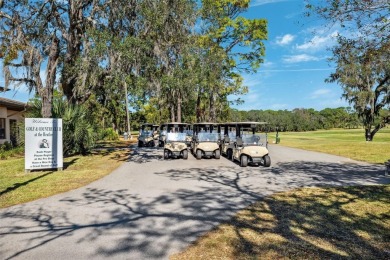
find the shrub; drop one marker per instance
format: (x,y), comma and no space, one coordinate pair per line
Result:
(5,154)
(6,146)
(108,134)
(79,134)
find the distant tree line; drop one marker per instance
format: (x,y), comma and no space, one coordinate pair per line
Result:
(301,119)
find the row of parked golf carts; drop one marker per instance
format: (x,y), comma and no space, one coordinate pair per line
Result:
(238,141)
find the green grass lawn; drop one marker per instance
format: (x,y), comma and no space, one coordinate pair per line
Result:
(18,187)
(309,223)
(344,142)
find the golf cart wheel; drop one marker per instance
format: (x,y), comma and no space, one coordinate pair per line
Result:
(151,143)
(267,161)
(244,161)
(217,154)
(185,154)
(140,144)
(230,154)
(160,144)
(198,154)
(166,155)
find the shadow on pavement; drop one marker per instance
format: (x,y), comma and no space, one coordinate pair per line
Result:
(145,154)
(155,227)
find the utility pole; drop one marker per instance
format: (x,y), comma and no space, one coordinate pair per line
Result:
(127,112)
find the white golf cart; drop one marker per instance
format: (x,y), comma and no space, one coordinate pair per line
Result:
(251,147)
(205,141)
(163,130)
(189,133)
(175,141)
(148,135)
(228,133)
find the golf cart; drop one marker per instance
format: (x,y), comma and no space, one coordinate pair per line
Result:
(228,133)
(189,133)
(147,135)
(175,141)
(162,134)
(205,141)
(250,147)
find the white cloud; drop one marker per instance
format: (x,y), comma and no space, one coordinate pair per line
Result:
(296,70)
(299,58)
(284,40)
(265,2)
(320,93)
(278,106)
(268,64)
(251,80)
(318,42)
(333,103)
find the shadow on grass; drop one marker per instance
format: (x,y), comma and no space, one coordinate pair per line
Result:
(18,185)
(124,223)
(322,225)
(70,163)
(118,154)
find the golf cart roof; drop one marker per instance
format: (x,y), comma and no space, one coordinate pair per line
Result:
(174,123)
(228,124)
(149,124)
(204,123)
(250,123)
(243,124)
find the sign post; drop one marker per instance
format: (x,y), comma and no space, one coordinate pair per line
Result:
(43,144)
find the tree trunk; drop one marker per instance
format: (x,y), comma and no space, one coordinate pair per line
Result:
(368,135)
(376,129)
(172,113)
(47,103)
(47,91)
(179,101)
(212,117)
(197,108)
(73,50)
(127,111)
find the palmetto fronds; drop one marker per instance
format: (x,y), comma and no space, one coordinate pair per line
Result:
(79,134)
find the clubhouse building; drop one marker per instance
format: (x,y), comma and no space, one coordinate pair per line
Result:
(11,112)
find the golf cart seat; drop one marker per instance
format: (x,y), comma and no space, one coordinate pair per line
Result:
(239,142)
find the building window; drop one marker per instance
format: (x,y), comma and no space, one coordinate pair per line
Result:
(2,128)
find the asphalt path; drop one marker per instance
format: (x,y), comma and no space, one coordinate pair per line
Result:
(149,208)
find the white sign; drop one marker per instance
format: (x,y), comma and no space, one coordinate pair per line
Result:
(43,143)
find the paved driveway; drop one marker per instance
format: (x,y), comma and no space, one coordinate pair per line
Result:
(149,208)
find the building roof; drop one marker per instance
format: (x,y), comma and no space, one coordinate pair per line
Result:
(12,104)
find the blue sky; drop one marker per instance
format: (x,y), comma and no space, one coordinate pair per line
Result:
(295,66)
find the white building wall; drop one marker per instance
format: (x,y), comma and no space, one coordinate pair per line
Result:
(9,114)
(3,112)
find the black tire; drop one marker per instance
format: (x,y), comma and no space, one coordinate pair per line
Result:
(244,161)
(267,161)
(229,154)
(151,143)
(198,154)
(185,154)
(166,155)
(217,154)
(161,144)
(140,144)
